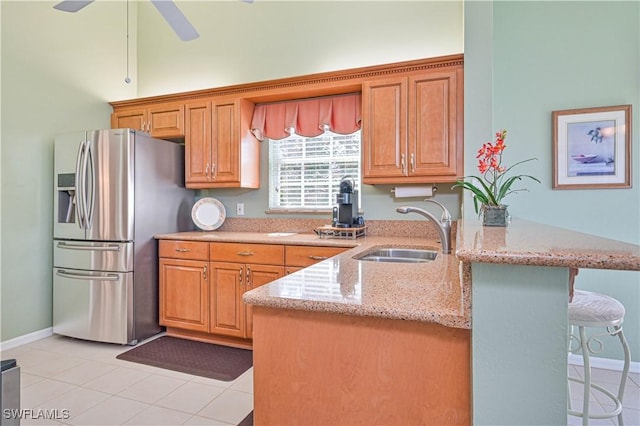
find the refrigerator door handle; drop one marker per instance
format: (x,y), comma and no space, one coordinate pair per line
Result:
(80,210)
(77,276)
(89,196)
(71,246)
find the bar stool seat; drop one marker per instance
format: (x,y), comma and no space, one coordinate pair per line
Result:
(589,309)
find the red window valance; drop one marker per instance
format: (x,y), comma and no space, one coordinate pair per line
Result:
(308,117)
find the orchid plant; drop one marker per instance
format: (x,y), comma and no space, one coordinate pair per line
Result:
(494,184)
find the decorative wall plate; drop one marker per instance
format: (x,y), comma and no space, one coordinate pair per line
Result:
(208,214)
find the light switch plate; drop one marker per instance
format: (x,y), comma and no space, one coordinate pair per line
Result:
(240,209)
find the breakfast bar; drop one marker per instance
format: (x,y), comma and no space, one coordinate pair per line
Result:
(360,342)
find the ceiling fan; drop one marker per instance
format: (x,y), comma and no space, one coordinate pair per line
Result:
(167,8)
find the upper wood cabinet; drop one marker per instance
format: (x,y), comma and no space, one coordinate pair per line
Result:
(412,122)
(220,150)
(163,121)
(412,128)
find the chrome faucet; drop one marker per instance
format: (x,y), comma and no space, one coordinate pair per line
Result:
(443,225)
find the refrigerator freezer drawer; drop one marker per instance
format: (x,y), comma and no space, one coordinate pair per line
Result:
(94,256)
(93,305)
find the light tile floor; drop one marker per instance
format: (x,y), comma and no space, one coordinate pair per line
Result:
(600,403)
(85,378)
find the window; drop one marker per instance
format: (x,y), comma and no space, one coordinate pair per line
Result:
(305,172)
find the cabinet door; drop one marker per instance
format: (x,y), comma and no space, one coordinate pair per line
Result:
(184,294)
(132,119)
(198,145)
(167,121)
(433,124)
(225,149)
(226,308)
(257,275)
(384,129)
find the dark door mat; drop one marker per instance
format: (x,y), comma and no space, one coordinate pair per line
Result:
(247,421)
(191,357)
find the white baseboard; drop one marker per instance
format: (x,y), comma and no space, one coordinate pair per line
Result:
(605,363)
(26,338)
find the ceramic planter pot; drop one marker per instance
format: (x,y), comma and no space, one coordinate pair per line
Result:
(495,215)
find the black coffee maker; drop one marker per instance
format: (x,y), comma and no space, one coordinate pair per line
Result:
(345,214)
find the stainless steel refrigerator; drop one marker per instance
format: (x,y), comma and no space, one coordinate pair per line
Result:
(113,190)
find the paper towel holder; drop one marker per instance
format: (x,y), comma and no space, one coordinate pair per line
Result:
(414,191)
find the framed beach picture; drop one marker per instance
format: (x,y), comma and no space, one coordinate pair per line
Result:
(592,148)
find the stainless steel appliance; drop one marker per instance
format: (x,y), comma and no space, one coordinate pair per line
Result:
(113,190)
(10,393)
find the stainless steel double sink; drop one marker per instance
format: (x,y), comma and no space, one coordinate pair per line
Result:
(397,255)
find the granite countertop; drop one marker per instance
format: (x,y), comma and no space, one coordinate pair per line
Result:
(292,238)
(437,291)
(530,243)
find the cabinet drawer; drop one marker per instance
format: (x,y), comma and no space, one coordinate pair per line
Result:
(194,250)
(265,254)
(308,255)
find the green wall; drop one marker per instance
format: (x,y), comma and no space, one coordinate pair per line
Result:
(246,42)
(536,57)
(58,72)
(555,56)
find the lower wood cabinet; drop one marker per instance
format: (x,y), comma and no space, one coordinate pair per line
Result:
(184,285)
(236,268)
(202,283)
(229,315)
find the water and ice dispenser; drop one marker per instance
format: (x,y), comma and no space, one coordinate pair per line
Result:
(66,193)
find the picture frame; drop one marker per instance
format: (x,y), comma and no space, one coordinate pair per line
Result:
(592,148)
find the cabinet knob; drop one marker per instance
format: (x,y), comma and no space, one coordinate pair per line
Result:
(403,166)
(240,275)
(412,163)
(248,277)
(245,253)
(182,250)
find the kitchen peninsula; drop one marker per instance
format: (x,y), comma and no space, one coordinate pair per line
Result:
(354,342)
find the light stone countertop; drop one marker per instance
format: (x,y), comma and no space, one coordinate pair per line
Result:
(437,291)
(530,243)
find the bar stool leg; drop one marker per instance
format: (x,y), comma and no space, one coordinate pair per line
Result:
(625,370)
(587,375)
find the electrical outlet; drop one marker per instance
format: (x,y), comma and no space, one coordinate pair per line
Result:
(240,209)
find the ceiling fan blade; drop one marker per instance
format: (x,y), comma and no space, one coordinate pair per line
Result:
(176,19)
(72,5)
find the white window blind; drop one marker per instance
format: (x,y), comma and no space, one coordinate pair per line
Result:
(305,173)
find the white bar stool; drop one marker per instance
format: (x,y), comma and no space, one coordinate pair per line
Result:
(589,309)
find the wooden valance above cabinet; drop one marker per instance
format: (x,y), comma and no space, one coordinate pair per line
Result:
(412,121)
